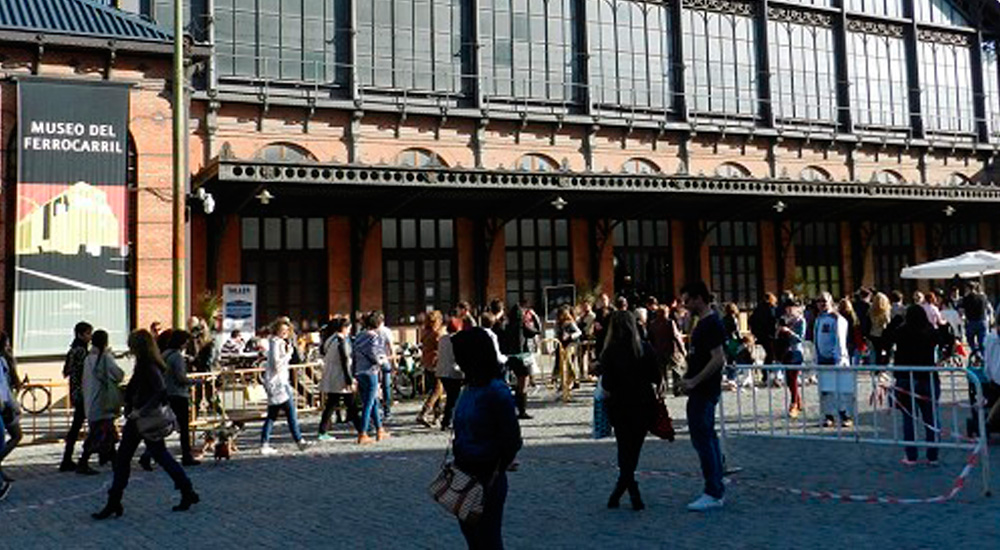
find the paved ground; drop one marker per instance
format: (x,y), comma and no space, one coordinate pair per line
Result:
(338,495)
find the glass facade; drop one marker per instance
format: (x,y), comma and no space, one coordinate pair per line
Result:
(817,258)
(803,70)
(537,256)
(418,263)
(719,57)
(946,82)
(643,253)
(734,262)
(877,67)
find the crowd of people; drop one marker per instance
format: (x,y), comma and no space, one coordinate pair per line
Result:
(478,366)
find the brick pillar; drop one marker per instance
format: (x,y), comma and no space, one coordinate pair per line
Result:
(338,271)
(199,257)
(868,258)
(496,275)
(704,262)
(371,269)
(677,256)
(920,252)
(606,267)
(847,257)
(465,242)
(986,236)
(579,242)
(788,268)
(229,263)
(768,257)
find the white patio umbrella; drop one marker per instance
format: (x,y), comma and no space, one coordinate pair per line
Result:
(970,265)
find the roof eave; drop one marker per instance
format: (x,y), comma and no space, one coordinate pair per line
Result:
(97,43)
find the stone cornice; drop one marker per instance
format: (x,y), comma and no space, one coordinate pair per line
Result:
(255,172)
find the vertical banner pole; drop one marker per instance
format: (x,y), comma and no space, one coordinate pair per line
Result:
(180,156)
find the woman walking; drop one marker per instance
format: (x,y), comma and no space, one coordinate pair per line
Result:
(178,390)
(629,374)
(430,335)
(880,314)
(568,334)
(487,434)
(277,383)
(146,393)
(10,410)
(338,383)
(369,354)
(101,400)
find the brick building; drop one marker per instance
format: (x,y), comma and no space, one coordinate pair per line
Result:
(405,154)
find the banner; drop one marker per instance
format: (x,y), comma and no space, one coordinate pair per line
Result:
(557,297)
(239,309)
(71,236)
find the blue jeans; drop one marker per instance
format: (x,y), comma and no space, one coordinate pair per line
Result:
(387,390)
(123,462)
(486,534)
(975,333)
(272,415)
(701,422)
(368,386)
(3,434)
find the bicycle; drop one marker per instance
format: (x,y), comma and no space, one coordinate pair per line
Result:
(409,373)
(35,398)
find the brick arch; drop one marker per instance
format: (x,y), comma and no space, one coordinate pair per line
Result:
(814,173)
(419,157)
(284,151)
(732,170)
(890,177)
(639,165)
(537,162)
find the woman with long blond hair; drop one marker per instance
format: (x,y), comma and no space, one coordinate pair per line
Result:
(430,335)
(880,314)
(145,394)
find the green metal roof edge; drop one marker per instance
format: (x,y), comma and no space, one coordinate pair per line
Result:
(72,17)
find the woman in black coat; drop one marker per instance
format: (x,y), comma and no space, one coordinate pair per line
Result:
(146,391)
(629,374)
(917,393)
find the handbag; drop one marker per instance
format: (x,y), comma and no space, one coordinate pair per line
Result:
(602,421)
(459,493)
(663,425)
(111,396)
(155,423)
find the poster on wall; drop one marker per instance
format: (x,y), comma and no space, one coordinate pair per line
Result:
(557,297)
(71,237)
(239,309)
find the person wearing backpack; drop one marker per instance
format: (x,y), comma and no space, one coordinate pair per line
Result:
(73,370)
(102,401)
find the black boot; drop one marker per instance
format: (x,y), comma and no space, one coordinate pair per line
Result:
(522,405)
(635,497)
(188,497)
(146,463)
(114,506)
(616,495)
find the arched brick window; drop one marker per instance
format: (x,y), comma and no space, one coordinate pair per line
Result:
(640,166)
(814,173)
(535,162)
(732,170)
(284,152)
(888,177)
(419,158)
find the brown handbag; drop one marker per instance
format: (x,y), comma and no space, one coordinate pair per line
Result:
(663,425)
(459,493)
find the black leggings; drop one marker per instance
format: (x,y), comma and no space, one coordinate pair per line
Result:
(452,388)
(74,431)
(181,408)
(629,440)
(333,401)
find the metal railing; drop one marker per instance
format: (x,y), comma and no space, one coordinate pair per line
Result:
(882,403)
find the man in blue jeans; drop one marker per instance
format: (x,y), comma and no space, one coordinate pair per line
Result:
(976,308)
(703,384)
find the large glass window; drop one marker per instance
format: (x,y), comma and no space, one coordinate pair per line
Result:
(892,250)
(941,12)
(958,238)
(804,80)
(991,86)
(877,67)
(734,262)
(719,50)
(286,259)
(411,44)
(642,253)
(537,255)
(418,261)
(946,81)
(529,48)
(630,53)
(817,258)
(296,40)
(885,8)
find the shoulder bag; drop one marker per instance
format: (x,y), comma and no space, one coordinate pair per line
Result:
(111,394)
(459,493)
(663,425)
(155,423)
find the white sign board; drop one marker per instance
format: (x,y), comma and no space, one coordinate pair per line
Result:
(239,308)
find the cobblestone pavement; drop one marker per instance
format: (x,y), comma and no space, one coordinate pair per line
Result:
(338,495)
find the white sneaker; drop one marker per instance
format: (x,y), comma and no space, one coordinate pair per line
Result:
(705,503)
(266,449)
(304,444)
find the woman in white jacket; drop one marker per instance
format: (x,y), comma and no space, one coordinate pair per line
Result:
(338,383)
(277,383)
(102,402)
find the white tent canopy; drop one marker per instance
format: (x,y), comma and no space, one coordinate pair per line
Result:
(967,266)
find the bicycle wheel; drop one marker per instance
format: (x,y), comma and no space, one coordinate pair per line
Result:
(35,399)
(402,383)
